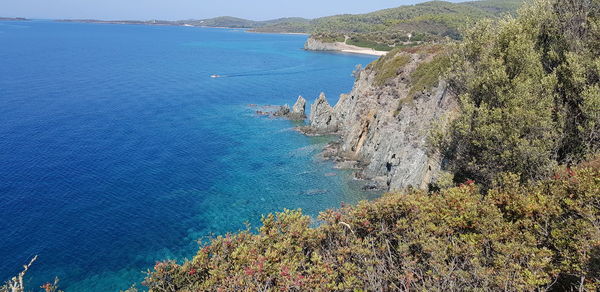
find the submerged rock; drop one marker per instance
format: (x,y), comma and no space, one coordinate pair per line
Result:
(283,111)
(296,113)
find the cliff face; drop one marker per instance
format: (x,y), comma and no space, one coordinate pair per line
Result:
(384,129)
(313,44)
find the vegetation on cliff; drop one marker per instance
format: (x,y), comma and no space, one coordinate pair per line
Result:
(387,66)
(427,75)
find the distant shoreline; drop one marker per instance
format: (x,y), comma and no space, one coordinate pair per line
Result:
(364,51)
(170,23)
(314,44)
(13,19)
(346,49)
(269,32)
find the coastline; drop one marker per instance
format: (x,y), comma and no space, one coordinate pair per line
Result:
(365,51)
(169,23)
(266,32)
(339,47)
(313,44)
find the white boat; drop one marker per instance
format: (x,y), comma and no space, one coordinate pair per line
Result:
(215,76)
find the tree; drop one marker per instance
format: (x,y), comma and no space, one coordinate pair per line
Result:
(529,92)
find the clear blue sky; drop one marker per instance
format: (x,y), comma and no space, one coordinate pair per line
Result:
(188,9)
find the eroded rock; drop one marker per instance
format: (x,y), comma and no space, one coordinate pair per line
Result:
(299,109)
(322,118)
(383,129)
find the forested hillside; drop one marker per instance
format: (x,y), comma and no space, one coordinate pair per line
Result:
(289,24)
(387,28)
(382,30)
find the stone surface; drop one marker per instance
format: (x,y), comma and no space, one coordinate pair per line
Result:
(322,118)
(313,44)
(384,130)
(283,111)
(299,108)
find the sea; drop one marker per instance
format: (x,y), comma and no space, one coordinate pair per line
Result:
(118,149)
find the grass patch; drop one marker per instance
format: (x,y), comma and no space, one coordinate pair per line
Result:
(425,49)
(329,37)
(387,66)
(427,75)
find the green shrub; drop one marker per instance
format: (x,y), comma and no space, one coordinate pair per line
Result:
(329,37)
(516,238)
(427,75)
(364,42)
(529,92)
(387,66)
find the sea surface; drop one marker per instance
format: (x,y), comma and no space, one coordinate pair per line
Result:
(117,149)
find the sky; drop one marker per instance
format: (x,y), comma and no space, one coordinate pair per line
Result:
(189,9)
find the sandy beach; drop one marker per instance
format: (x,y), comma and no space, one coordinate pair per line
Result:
(365,51)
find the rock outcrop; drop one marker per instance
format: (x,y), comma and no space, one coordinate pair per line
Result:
(322,118)
(384,129)
(296,113)
(313,44)
(299,109)
(282,111)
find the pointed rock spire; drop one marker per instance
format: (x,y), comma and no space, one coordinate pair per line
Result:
(299,107)
(321,115)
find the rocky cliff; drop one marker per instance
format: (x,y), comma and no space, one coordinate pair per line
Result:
(384,127)
(313,44)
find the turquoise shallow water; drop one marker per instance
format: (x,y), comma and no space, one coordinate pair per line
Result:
(117,149)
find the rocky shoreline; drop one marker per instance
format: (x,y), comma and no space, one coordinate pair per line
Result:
(384,129)
(313,44)
(296,113)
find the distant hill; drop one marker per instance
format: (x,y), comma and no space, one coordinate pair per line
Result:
(381,30)
(429,17)
(288,24)
(384,29)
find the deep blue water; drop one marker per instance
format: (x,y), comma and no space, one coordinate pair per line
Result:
(117,149)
